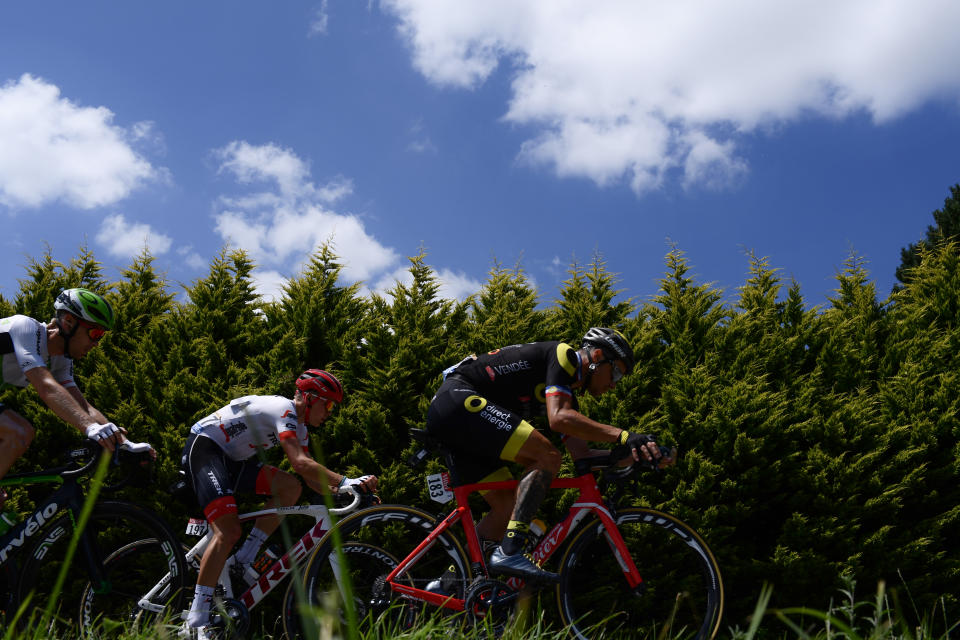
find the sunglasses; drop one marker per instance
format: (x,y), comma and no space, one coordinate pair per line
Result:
(94,332)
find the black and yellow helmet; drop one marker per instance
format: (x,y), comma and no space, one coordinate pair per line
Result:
(86,304)
(613,344)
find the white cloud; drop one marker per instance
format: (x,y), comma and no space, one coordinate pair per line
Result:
(126,240)
(191,258)
(457,286)
(284,224)
(626,91)
(453,285)
(54,150)
(269,284)
(320,21)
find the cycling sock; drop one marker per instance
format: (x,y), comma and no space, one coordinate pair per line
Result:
(251,546)
(515,538)
(200,608)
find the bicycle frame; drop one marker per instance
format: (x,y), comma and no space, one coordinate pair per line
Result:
(69,498)
(589,501)
(279,570)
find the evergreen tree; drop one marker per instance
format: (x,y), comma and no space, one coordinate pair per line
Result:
(409,340)
(504,312)
(919,399)
(319,313)
(587,300)
(946,227)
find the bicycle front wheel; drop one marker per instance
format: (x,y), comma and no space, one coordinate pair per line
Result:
(136,551)
(681,594)
(375,541)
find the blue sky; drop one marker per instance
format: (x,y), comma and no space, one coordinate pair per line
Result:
(536,131)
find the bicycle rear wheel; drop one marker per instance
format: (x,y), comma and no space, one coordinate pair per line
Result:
(136,549)
(375,540)
(682,593)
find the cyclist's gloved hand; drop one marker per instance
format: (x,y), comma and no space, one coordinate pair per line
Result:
(105,434)
(639,446)
(363,484)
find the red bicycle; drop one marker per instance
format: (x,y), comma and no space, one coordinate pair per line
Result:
(625,571)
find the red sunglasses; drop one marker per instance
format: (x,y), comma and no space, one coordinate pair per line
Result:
(94,332)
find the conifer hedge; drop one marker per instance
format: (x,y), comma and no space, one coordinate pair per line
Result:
(816,441)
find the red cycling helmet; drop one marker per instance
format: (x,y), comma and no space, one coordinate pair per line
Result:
(317,383)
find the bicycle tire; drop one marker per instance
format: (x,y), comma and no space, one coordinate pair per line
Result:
(374,541)
(137,548)
(682,593)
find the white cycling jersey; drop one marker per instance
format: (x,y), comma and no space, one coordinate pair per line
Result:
(23,343)
(250,423)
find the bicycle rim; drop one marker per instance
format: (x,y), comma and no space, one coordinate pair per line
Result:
(682,594)
(374,542)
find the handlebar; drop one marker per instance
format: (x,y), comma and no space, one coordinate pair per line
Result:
(355,500)
(608,463)
(88,453)
(339,511)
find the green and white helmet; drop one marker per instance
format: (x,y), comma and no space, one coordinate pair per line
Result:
(87,305)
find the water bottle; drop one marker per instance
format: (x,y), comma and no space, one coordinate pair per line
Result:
(537,528)
(8,520)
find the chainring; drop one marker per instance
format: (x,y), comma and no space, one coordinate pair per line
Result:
(490,602)
(231,620)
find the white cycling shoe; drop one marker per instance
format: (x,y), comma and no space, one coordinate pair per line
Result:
(186,632)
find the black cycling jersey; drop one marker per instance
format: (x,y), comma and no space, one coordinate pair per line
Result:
(479,411)
(521,376)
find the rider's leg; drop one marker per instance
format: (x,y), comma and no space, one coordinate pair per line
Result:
(493,524)
(226,533)
(542,463)
(16,434)
(285,491)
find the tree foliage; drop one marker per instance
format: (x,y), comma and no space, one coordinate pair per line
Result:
(815,441)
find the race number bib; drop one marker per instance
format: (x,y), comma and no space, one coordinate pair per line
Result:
(438,485)
(196,527)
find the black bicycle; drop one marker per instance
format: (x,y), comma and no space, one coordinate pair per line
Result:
(123,547)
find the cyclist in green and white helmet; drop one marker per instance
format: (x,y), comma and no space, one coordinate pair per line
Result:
(41,355)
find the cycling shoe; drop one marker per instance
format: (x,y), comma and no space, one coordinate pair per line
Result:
(520,566)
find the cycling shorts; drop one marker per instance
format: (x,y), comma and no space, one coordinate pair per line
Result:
(3,407)
(479,434)
(216,478)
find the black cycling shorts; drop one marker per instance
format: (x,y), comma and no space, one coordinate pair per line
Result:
(479,434)
(216,478)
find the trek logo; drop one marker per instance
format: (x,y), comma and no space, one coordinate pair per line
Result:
(216,484)
(272,576)
(235,429)
(288,413)
(30,527)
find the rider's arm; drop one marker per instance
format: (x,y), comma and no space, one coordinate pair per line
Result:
(563,418)
(313,473)
(62,401)
(575,426)
(92,412)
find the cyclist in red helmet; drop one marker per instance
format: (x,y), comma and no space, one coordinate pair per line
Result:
(220,459)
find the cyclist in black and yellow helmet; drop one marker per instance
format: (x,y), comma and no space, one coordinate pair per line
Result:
(41,355)
(480,414)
